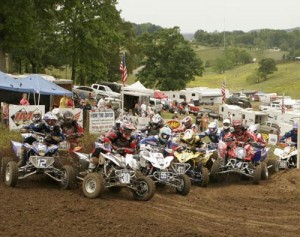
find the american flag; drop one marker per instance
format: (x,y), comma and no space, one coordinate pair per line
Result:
(282,105)
(223,91)
(123,69)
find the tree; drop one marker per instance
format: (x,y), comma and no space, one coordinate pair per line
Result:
(266,66)
(170,62)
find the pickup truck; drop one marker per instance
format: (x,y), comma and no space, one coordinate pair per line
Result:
(105,91)
(269,128)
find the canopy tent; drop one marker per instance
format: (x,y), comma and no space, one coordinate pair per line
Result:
(9,83)
(159,95)
(41,86)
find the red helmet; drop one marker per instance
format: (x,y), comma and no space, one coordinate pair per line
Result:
(126,128)
(237,125)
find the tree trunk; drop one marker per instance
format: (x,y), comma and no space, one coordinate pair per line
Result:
(2,61)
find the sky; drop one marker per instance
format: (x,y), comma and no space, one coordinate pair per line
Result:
(213,15)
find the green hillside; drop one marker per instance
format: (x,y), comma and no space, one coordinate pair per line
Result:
(286,80)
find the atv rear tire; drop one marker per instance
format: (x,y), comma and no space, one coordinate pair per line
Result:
(185,185)
(274,163)
(257,174)
(93,185)
(264,171)
(205,177)
(69,176)
(11,174)
(214,176)
(3,164)
(145,189)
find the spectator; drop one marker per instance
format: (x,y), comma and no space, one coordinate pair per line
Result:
(135,110)
(175,116)
(63,102)
(5,115)
(70,102)
(198,122)
(101,104)
(24,100)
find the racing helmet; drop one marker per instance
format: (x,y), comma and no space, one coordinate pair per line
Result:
(212,127)
(187,121)
(50,120)
(189,136)
(295,127)
(126,128)
(68,117)
(164,134)
(157,121)
(36,116)
(238,126)
(226,124)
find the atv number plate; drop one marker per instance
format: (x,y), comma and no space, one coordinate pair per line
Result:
(163,176)
(125,177)
(180,169)
(41,163)
(283,164)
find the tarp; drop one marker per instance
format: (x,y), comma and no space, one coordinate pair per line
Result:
(159,95)
(9,83)
(41,86)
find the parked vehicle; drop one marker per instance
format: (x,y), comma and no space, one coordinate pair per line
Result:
(156,105)
(105,91)
(42,158)
(85,92)
(115,172)
(153,164)
(269,128)
(210,112)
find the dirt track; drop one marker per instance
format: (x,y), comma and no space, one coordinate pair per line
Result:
(230,208)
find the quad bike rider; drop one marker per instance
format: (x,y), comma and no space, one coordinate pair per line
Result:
(237,155)
(120,139)
(194,152)
(154,125)
(186,123)
(213,133)
(292,134)
(47,126)
(155,157)
(72,130)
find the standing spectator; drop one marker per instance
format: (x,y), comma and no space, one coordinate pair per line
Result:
(175,116)
(70,102)
(101,104)
(205,121)
(63,102)
(135,110)
(5,115)
(198,122)
(24,100)
(143,109)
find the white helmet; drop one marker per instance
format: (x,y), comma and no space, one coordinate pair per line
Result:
(50,120)
(213,127)
(226,123)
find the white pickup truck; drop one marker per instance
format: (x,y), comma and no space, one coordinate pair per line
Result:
(105,91)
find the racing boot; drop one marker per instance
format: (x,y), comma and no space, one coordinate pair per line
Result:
(22,160)
(92,166)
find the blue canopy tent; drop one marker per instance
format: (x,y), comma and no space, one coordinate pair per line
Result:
(41,86)
(9,83)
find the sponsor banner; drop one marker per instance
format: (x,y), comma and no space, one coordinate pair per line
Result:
(101,122)
(173,123)
(273,139)
(20,115)
(77,112)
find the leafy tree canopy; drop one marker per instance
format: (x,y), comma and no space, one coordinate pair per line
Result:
(170,62)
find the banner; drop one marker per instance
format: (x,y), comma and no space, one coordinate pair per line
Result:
(101,122)
(20,115)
